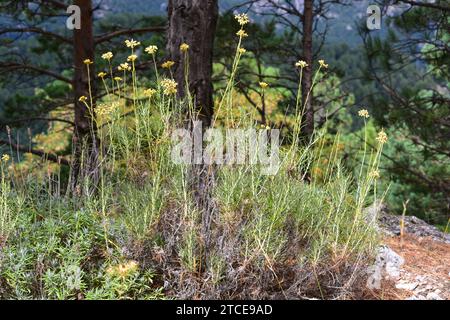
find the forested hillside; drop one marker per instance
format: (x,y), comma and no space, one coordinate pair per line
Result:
(221,149)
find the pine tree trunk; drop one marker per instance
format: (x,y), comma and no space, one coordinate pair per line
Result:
(85,141)
(194,22)
(308,118)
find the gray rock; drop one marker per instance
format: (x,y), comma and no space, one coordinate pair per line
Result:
(433,296)
(387,265)
(378,215)
(407,286)
(390,224)
(392,261)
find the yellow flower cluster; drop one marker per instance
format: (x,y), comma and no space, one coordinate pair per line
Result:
(169,86)
(82,99)
(241,33)
(123,270)
(168,64)
(132,58)
(124,67)
(301,64)
(323,64)
(263,84)
(132,43)
(117,78)
(151,49)
(242,19)
(363,113)
(87,61)
(149,92)
(5,158)
(382,137)
(107,56)
(102,74)
(242,50)
(104,109)
(375,174)
(184,47)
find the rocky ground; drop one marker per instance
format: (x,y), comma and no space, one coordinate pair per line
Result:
(414,226)
(413,263)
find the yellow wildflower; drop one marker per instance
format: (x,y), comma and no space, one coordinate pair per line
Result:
(382,137)
(111,271)
(242,50)
(5,158)
(118,78)
(301,64)
(323,64)
(169,86)
(149,92)
(82,99)
(242,19)
(123,270)
(263,84)
(363,113)
(375,174)
(132,43)
(87,61)
(104,109)
(102,74)
(124,67)
(241,33)
(318,172)
(132,58)
(129,267)
(107,56)
(184,47)
(168,64)
(151,49)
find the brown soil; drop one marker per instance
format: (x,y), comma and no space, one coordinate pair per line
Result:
(423,257)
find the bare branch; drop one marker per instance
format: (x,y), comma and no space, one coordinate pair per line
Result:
(56,4)
(37,119)
(48,156)
(36,30)
(425,4)
(17,66)
(111,35)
